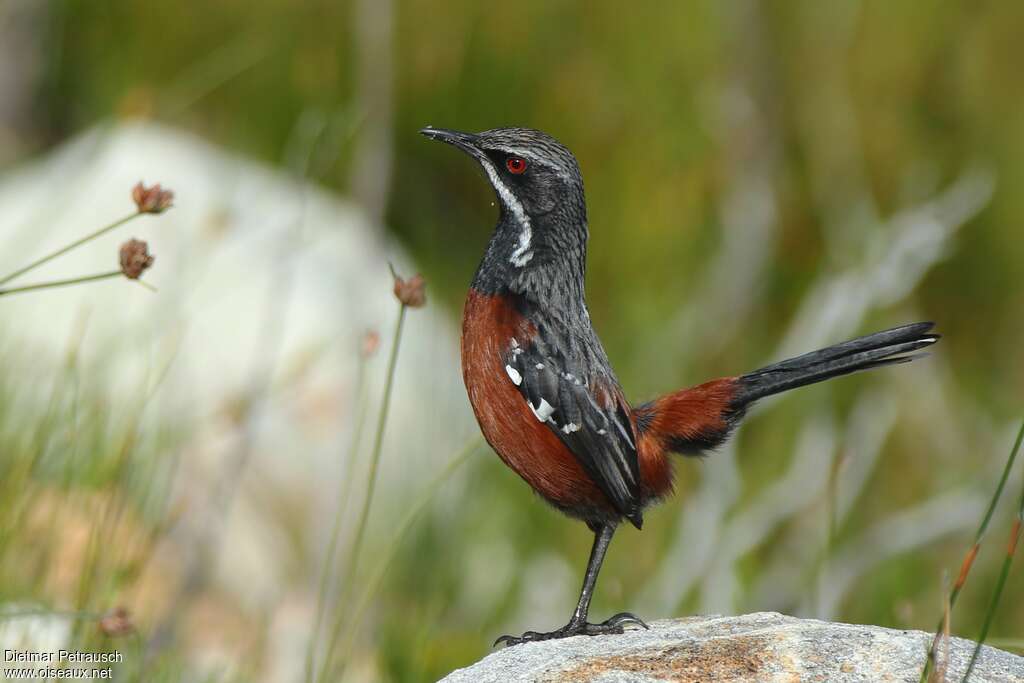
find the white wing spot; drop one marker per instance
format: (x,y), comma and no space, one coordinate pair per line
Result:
(602,432)
(514,375)
(540,366)
(570,428)
(543,411)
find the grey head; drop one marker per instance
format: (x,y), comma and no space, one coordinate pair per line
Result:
(541,235)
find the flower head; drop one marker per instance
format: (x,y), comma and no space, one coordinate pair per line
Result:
(371,342)
(135,258)
(116,622)
(411,292)
(151,199)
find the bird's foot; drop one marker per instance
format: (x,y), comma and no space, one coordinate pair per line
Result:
(614,625)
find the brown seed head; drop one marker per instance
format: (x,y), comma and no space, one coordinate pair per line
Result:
(116,622)
(411,292)
(135,258)
(151,199)
(371,342)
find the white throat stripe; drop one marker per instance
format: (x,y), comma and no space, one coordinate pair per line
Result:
(521,255)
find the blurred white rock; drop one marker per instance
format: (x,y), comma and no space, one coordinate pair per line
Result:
(260,278)
(28,628)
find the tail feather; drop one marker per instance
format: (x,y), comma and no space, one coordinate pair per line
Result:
(888,347)
(695,420)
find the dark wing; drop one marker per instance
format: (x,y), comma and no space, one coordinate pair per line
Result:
(588,414)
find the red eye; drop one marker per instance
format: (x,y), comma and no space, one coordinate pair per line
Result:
(515,165)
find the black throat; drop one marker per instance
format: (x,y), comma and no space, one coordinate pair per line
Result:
(549,272)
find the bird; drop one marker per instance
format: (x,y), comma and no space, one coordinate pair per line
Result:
(539,380)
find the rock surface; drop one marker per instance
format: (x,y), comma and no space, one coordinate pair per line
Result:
(753,647)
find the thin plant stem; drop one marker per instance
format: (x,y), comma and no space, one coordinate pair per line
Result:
(364,513)
(59,283)
(389,555)
(1011,548)
(994,604)
(65,249)
(43,612)
(938,674)
(972,553)
(346,491)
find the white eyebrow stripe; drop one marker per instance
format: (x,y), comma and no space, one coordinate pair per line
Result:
(530,156)
(521,255)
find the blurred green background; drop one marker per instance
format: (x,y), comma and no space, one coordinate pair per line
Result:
(752,170)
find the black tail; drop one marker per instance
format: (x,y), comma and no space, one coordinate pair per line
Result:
(863,353)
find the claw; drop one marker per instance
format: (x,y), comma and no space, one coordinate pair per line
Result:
(506,639)
(624,618)
(509,641)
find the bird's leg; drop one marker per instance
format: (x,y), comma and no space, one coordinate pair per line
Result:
(602,539)
(578,625)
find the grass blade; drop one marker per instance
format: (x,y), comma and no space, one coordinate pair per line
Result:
(938,674)
(346,489)
(1011,547)
(965,566)
(389,554)
(357,544)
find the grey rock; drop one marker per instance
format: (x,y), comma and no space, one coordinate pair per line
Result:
(752,647)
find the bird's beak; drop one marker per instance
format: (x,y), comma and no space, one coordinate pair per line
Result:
(464,141)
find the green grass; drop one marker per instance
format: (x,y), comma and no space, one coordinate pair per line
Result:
(968,562)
